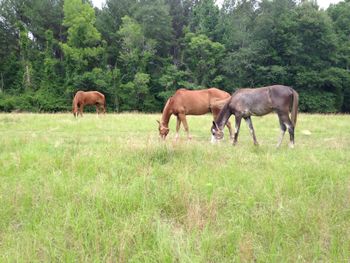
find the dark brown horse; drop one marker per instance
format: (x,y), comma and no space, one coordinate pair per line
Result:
(191,102)
(258,102)
(83,98)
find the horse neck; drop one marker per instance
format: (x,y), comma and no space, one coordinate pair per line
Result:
(223,116)
(166,113)
(75,103)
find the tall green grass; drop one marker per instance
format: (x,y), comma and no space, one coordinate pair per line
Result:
(107,190)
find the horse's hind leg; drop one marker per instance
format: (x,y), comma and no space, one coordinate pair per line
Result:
(102,109)
(251,129)
(283,130)
(97,109)
(290,127)
(286,123)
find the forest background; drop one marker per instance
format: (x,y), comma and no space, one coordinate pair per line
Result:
(138,52)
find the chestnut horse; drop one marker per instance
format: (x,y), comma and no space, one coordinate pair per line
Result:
(83,98)
(258,102)
(191,102)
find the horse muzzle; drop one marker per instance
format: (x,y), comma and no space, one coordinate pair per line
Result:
(218,136)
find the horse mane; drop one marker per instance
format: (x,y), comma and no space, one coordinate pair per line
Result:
(235,92)
(165,114)
(167,103)
(224,115)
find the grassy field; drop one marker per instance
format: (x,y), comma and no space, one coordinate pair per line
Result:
(107,190)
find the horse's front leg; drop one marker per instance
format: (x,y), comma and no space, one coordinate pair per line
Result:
(251,129)
(184,121)
(178,123)
(229,127)
(237,126)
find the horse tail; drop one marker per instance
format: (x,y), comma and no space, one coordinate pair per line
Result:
(219,104)
(295,107)
(104,104)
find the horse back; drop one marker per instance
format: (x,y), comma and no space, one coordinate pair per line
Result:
(249,101)
(218,94)
(189,102)
(196,102)
(96,94)
(90,97)
(281,96)
(93,97)
(260,101)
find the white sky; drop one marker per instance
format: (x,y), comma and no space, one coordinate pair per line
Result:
(322,3)
(325,3)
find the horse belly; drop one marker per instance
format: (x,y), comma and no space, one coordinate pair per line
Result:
(88,101)
(192,105)
(92,101)
(200,110)
(252,109)
(261,110)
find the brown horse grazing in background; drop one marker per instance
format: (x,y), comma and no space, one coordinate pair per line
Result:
(83,98)
(191,102)
(258,102)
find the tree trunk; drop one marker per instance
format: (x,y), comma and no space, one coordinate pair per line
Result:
(27,81)
(2,83)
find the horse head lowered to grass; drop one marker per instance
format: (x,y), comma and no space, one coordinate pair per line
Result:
(258,102)
(83,98)
(191,102)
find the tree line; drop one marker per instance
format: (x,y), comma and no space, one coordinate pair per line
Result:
(139,52)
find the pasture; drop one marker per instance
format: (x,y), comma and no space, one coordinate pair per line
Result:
(107,190)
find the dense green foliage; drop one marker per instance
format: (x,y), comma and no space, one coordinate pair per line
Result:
(139,52)
(106,190)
